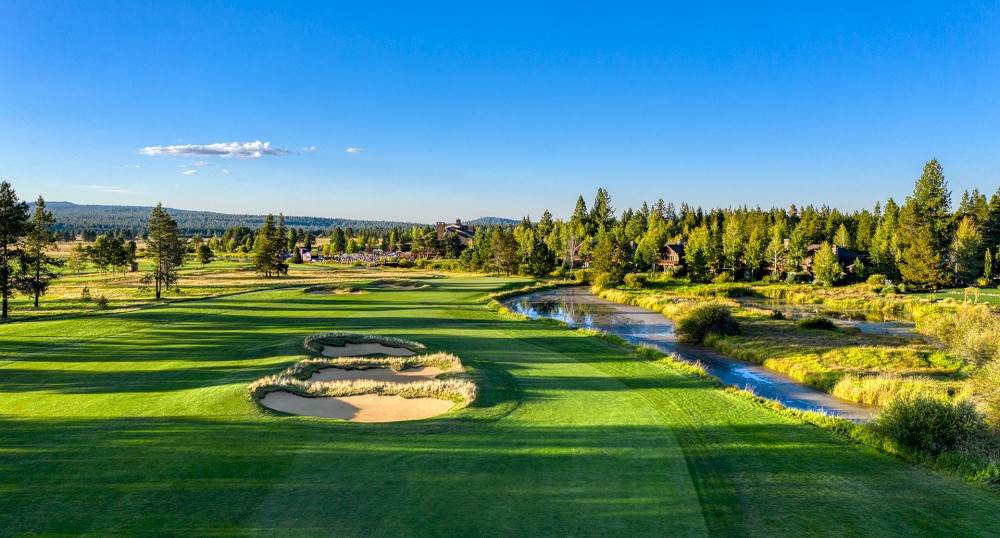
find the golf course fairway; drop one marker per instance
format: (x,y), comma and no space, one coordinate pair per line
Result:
(138,422)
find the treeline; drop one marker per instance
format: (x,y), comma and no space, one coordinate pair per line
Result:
(921,242)
(75,220)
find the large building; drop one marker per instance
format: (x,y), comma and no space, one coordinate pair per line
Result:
(464,233)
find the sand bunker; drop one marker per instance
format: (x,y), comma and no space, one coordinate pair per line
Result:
(399,286)
(364,408)
(358,350)
(323,291)
(377,374)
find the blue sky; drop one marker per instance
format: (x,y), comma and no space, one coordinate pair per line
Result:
(465,109)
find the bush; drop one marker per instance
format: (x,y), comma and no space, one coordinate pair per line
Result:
(102,302)
(582,276)
(766,279)
(601,281)
(635,280)
(697,322)
(776,314)
(795,278)
(930,425)
(406,263)
(85,294)
(817,322)
(723,278)
(876,280)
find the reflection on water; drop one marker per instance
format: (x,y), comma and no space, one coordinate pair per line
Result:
(578,307)
(866,322)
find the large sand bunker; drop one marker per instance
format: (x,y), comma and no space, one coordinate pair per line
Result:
(377,374)
(371,348)
(363,408)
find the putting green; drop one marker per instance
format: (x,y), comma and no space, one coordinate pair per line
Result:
(137,422)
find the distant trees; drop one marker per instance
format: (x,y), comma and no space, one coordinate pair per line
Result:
(14,225)
(165,248)
(38,269)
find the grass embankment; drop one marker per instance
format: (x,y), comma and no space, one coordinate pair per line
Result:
(136,422)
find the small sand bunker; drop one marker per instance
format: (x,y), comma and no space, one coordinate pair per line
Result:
(363,408)
(357,350)
(377,374)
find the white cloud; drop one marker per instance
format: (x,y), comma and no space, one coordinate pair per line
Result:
(308,148)
(139,166)
(190,172)
(246,150)
(355,150)
(202,163)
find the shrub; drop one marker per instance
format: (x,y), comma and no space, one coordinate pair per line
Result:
(406,263)
(817,322)
(776,314)
(929,425)
(601,281)
(794,278)
(876,280)
(766,279)
(635,280)
(85,294)
(694,324)
(582,276)
(102,302)
(723,278)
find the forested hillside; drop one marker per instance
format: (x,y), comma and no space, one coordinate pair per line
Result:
(107,218)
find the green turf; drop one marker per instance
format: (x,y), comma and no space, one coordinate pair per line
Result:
(137,423)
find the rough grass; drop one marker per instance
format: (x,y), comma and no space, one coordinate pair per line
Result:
(135,423)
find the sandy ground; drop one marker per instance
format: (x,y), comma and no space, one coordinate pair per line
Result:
(364,408)
(378,374)
(358,350)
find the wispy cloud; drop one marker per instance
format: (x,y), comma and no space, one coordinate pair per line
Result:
(246,150)
(190,172)
(107,188)
(308,148)
(355,150)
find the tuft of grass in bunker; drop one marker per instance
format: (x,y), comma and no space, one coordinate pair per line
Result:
(338,289)
(398,283)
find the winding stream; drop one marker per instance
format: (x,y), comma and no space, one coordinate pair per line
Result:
(578,307)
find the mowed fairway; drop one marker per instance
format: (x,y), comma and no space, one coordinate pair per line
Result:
(137,423)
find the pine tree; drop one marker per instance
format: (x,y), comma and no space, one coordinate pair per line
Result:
(37,267)
(920,263)
(13,226)
(825,266)
(164,247)
(967,258)
(602,215)
(988,267)
(884,252)
(266,247)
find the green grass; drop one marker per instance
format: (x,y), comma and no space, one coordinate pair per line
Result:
(136,422)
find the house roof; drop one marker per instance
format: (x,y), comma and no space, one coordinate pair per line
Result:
(676,247)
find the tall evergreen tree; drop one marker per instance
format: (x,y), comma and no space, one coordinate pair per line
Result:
(826,268)
(38,269)
(14,225)
(602,215)
(884,252)
(165,248)
(967,250)
(920,263)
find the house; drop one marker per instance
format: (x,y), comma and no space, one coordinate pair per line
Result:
(306,254)
(464,233)
(671,255)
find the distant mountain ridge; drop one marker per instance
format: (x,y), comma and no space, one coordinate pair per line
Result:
(491,221)
(105,218)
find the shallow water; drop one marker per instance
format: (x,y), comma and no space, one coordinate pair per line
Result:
(866,322)
(578,307)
